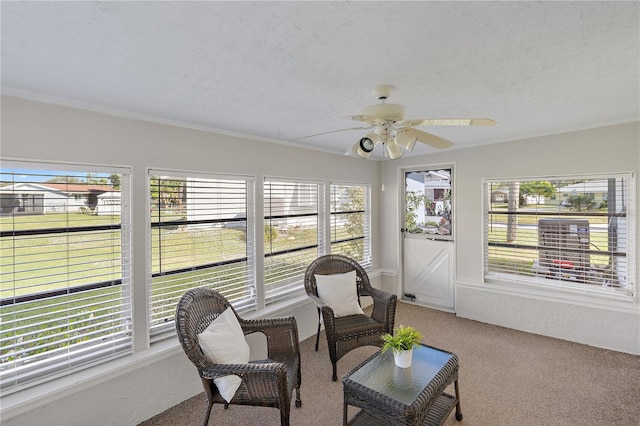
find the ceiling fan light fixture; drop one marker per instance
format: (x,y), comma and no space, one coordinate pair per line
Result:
(393,149)
(374,137)
(363,147)
(362,154)
(366,145)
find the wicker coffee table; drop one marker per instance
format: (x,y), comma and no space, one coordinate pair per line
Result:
(389,395)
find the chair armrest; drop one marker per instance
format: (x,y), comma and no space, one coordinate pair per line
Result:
(214,371)
(384,306)
(281,333)
(379,294)
(319,302)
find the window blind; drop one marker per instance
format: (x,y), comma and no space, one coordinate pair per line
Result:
(293,233)
(565,232)
(202,234)
(351,221)
(65,269)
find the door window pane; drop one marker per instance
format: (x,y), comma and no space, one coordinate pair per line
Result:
(429,202)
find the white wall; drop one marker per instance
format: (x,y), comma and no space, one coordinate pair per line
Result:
(579,318)
(132,389)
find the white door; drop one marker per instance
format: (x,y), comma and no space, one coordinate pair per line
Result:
(428,249)
(428,272)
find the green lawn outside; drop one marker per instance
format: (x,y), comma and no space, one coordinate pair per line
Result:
(55,220)
(94,259)
(528,216)
(43,325)
(598,240)
(68,319)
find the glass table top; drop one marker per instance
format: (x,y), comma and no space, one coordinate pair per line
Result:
(380,374)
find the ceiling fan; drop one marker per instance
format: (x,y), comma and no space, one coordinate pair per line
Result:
(391,129)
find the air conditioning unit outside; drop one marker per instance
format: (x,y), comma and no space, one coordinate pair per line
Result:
(563,246)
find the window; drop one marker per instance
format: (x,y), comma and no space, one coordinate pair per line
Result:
(202,234)
(293,233)
(351,221)
(429,202)
(64,270)
(574,233)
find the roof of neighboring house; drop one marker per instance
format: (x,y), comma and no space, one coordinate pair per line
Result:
(69,188)
(77,187)
(431,179)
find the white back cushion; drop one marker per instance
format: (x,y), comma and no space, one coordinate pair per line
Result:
(223,342)
(340,292)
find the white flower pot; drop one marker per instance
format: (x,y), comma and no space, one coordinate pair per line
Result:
(403,358)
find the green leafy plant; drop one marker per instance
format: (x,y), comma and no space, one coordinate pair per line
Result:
(270,233)
(404,338)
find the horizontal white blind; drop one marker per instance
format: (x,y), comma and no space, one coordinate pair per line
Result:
(566,232)
(293,234)
(351,221)
(65,269)
(201,236)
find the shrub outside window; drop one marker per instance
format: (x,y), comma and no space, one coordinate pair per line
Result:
(351,221)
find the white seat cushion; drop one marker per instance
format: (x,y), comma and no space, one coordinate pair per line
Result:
(223,342)
(339,291)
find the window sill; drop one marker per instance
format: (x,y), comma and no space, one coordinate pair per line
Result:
(24,400)
(623,303)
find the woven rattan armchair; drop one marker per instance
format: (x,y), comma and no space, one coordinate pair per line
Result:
(347,333)
(267,383)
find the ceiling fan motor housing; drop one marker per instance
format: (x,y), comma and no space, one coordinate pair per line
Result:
(385,112)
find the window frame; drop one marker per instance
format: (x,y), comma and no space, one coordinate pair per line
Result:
(559,284)
(294,284)
(366,260)
(414,203)
(159,331)
(99,347)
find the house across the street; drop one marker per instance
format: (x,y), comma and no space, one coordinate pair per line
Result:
(43,198)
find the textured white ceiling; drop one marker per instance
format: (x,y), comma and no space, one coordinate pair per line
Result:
(281,70)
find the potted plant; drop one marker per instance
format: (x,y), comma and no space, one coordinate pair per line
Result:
(402,342)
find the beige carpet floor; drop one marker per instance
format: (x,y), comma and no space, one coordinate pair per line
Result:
(507,377)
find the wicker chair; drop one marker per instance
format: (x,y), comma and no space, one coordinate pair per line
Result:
(347,333)
(267,383)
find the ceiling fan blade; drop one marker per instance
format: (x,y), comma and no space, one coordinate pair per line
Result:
(326,133)
(433,140)
(352,150)
(448,122)
(407,137)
